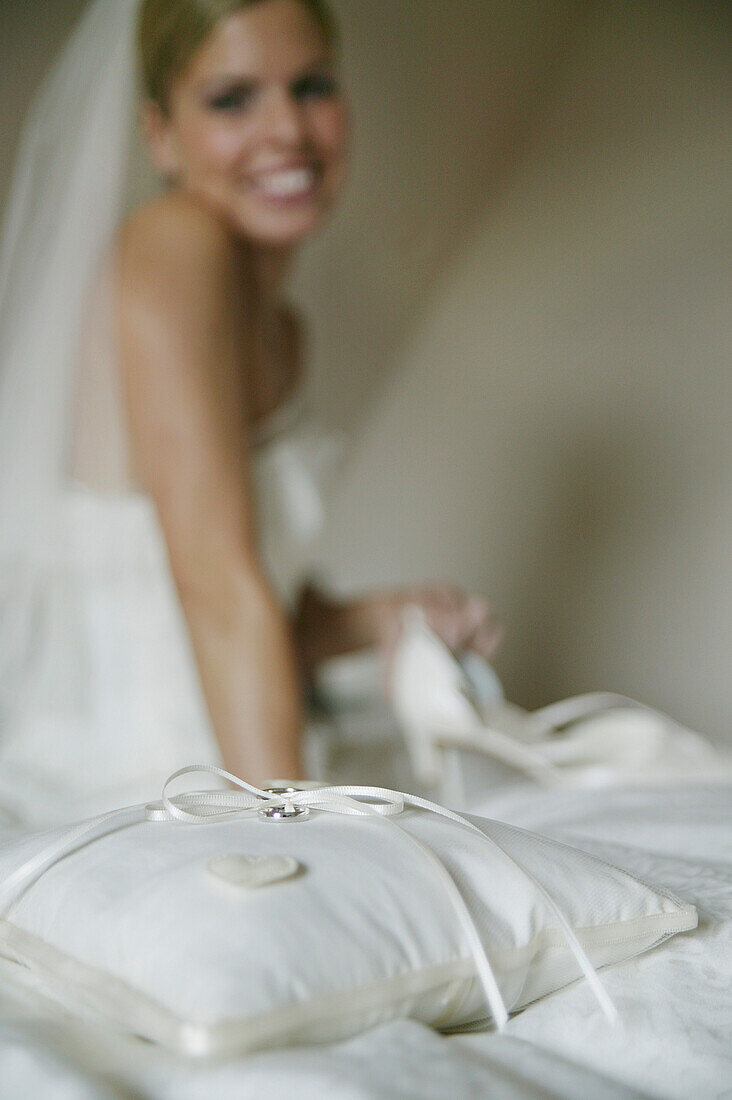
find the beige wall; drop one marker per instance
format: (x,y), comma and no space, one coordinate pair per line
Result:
(30,33)
(444,95)
(556,431)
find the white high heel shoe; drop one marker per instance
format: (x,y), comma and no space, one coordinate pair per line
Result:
(446,705)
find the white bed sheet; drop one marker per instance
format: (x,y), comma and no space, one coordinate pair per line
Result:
(674,1038)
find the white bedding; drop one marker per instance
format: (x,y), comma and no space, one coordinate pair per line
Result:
(673,1039)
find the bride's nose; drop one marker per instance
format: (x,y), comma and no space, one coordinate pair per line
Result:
(284,118)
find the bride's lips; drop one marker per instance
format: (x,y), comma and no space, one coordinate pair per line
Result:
(288,186)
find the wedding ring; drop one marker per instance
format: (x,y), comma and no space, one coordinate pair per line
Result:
(283,813)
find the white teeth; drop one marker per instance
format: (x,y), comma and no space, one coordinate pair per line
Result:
(289,182)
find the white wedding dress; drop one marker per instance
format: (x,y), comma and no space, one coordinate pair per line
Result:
(99,693)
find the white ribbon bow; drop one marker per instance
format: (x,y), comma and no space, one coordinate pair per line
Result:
(376,802)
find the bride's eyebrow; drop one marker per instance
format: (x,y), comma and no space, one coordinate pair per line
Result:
(225,81)
(216,88)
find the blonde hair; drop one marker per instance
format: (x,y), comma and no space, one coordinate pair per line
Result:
(169,32)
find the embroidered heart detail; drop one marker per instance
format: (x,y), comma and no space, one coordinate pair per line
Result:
(251,872)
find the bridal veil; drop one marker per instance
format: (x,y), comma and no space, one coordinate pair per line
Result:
(98,689)
(74,175)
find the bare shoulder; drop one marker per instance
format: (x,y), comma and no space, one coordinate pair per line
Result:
(177,220)
(175,244)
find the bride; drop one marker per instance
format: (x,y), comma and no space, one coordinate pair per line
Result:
(159,490)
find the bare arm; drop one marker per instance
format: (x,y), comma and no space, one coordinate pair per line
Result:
(183,346)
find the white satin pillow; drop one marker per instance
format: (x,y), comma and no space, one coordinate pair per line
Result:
(245,932)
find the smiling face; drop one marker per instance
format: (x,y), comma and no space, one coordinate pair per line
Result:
(256,125)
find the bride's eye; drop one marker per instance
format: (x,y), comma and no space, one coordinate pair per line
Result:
(314,86)
(236,98)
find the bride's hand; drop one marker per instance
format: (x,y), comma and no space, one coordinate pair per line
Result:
(462,620)
(326,626)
